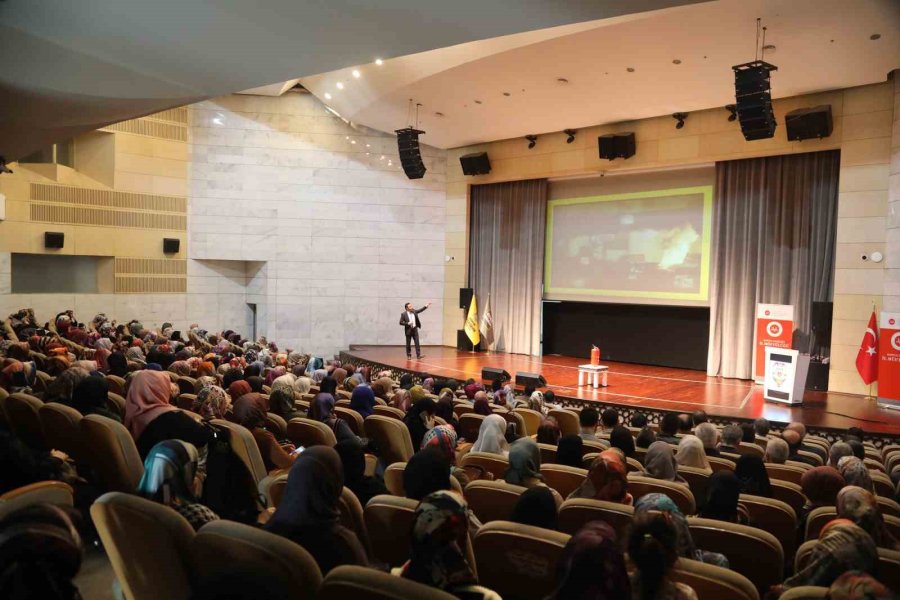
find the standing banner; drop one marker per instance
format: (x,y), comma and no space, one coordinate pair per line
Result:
(774,329)
(889,361)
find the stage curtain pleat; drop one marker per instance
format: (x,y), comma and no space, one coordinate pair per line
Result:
(506,259)
(775,223)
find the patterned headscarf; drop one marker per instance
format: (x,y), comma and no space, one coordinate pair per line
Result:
(524,462)
(181,368)
(856,585)
(606,480)
(382,387)
(238,388)
(843,546)
(302,385)
(442,437)
(860,506)
(491,436)
(685,543)
(212,403)
(855,472)
(593,566)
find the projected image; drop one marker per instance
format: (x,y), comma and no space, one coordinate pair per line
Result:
(644,245)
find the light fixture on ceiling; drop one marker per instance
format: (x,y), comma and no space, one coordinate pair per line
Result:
(379,62)
(630,69)
(532,140)
(769,49)
(731,108)
(339,85)
(327,96)
(562,80)
(439,114)
(571,133)
(875,36)
(507,94)
(680,117)
(356,73)
(478,102)
(677,61)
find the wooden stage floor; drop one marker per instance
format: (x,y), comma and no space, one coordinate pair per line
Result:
(660,388)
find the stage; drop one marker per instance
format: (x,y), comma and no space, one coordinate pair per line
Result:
(653,388)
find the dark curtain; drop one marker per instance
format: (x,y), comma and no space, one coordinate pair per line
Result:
(775,222)
(506,259)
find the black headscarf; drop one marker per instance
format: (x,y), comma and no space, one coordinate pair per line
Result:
(311,496)
(256,382)
(536,507)
(91,395)
(751,472)
(413,420)
(722,500)
(622,439)
(328,385)
(118,364)
(353,458)
(570,450)
(427,471)
(406,381)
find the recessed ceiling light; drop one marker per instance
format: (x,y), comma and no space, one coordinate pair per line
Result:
(677,61)
(346,137)
(875,36)
(379,62)
(439,114)
(478,102)
(339,85)
(562,80)
(507,94)
(352,141)
(327,96)
(367,145)
(630,69)
(356,73)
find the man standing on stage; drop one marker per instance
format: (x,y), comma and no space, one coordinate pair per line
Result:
(411,325)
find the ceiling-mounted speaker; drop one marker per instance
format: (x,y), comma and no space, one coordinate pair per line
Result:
(753,99)
(616,145)
(171,245)
(410,157)
(476,163)
(809,123)
(54,239)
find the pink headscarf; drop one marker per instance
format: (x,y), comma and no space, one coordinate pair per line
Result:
(148,397)
(100,356)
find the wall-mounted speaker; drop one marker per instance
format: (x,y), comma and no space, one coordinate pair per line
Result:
(494,374)
(54,239)
(809,123)
(465,297)
(753,99)
(410,157)
(535,380)
(616,145)
(477,163)
(171,245)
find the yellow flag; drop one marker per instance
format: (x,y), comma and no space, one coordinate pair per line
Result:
(471,327)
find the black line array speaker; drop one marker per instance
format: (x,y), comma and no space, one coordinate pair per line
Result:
(535,380)
(494,374)
(476,163)
(753,99)
(616,145)
(820,320)
(465,297)
(809,123)
(410,157)
(171,245)
(54,239)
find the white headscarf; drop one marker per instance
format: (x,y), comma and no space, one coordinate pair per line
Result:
(691,454)
(492,436)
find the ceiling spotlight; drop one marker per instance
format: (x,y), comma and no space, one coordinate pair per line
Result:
(339,85)
(732,108)
(3,167)
(875,36)
(507,94)
(770,48)
(562,80)
(680,117)
(571,133)
(327,96)
(532,140)
(379,62)
(478,102)
(677,61)
(630,69)
(439,114)
(356,73)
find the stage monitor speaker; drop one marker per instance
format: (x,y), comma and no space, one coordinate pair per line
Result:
(821,317)
(464,343)
(809,123)
(171,245)
(616,145)
(465,297)
(535,380)
(54,239)
(494,374)
(410,157)
(477,163)
(753,99)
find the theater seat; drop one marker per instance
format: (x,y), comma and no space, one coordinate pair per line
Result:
(712,582)
(113,454)
(393,479)
(532,420)
(41,492)
(805,592)
(785,472)
(116,384)
(492,463)
(244,446)
(576,512)
(492,500)
(463,407)
(563,478)
(598,446)
(272,489)
(364,583)
(789,493)
(388,522)
(888,506)
(307,432)
(720,464)
(388,411)
(116,403)
(352,517)
(518,561)
(186,385)
(774,516)
(698,481)
(354,419)
(391,436)
(883,484)
(821,516)
(270,566)
(548,453)
(60,425)
(276,425)
(750,449)
(21,412)
(148,544)
(567,420)
(680,494)
(469,424)
(516,419)
(185,401)
(888,569)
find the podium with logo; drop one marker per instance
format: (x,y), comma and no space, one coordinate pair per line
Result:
(889,360)
(774,329)
(785,375)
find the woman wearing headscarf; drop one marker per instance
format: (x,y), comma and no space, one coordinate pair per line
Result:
(684,545)
(536,507)
(482,404)
(653,548)
(492,436)
(91,397)
(860,506)
(843,546)
(60,389)
(102,356)
(427,471)
(302,385)
(281,403)
(428,385)
(339,375)
(570,450)
(622,439)
(19,377)
(171,478)
(309,515)
(135,354)
(723,494)
(152,419)
(362,400)
(444,408)
(419,419)
(855,472)
(856,585)
(328,385)
(255,382)
(274,374)
(318,376)
(249,411)
(118,364)
(406,381)
(285,382)
(180,368)
(548,432)
(401,399)
(691,454)
(382,386)
(238,388)
(206,369)
(437,558)
(592,566)
(751,472)
(525,466)
(606,480)
(660,463)
(322,409)
(211,403)
(820,485)
(536,401)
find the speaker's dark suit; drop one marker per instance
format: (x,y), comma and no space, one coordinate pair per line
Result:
(412,330)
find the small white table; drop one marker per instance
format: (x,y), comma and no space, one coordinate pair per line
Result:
(595,374)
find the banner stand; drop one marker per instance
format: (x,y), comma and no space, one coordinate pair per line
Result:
(775,329)
(889,361)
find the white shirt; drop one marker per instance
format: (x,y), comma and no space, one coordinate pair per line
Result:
(412,318)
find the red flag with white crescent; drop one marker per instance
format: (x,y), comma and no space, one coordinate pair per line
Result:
(867,357)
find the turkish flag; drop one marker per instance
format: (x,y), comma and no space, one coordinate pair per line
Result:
(867,357)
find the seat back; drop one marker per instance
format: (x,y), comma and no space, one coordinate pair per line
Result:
(42,381)
(352,516)
(805,592)
(393,479)
(698,481)
(789,493)
(516,419)
(307,432)
(888,507)
(391,436)
(186,385)
(681,495)
(752,552)
(788,473)
(276,425)
(272,489)
(883,484)
(774,516)
(817,519)
(41,492)
(597,446)
(811,456)
(116,403)
(112,454)
(633,465)
(270,565)
(492,463)
(492,500)
(22,415)
(469,424)
(361,582)
(60,425)
(720,464)
(148,544)
(245,447)
(712,582)
(185,401)
(576,512)
(388,411)
(116,384)
(563,478)
(354,419)
(532,420)
(567,420)
(548,453)
(518,561)
(389,522)
(751,449)
(889,568)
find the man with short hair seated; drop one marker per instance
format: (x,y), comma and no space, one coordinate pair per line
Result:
(685,424)
(731,438)
(777,451)
(588,420)
(794,440)
(761,426)
(800,428)
(668,427)
(609,418)
(709,435)
(699,417)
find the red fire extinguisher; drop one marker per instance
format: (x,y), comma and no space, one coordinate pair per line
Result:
(595,355)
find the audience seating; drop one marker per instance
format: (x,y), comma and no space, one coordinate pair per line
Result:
(368,584)
(567,420)
(548,453)
(148,544)
(752,552)
(590,446)
(391,436)
(343,402)
(640,453)
(750,448)
(116,384)
(887,571)
(23,418)
(698,480)
(354,419)
(720,464)
(352,516)
(518,561)
(494,464)
(888,506)
(60,425)
(883,484)
(563,478)
(632,465)
(800,465)
(679,493)
(492,500)
(516,419)
(532,420)
(388,411)
(307,432)
(785,472)
(774,516)
(811,456)
(576,512)
(116,403)
(393,478)
(276,425)
(185,401)
(270,565)
(712,582)
(244,446)
(463,408)
(469,424)
(789,493)
(805,592)
(388,520)
(187,385)
(113,456)
(41,381)
(42,492)
(822,515)
(272,489)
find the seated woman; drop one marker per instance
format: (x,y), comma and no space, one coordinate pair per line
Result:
(437,555)
(548,432)
(570,451)
(91,397)
(660,463)
(751,472)
(419,419)
(151,418)
(622,439)
(444,408)
(691,454)
(309,513)
(820,485)
(322,409)
(860,506)
(171,478)
(537,507)
(843,546)
(249,411)
(645,438)
(592,566)
(281,403)
(211,403)
(427,471)
(684,543)
(722,499)
(443,437)
(362,400)
(525,466)
(606,480)
(653,548)
(855,472)
(353,459)
(492,436)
